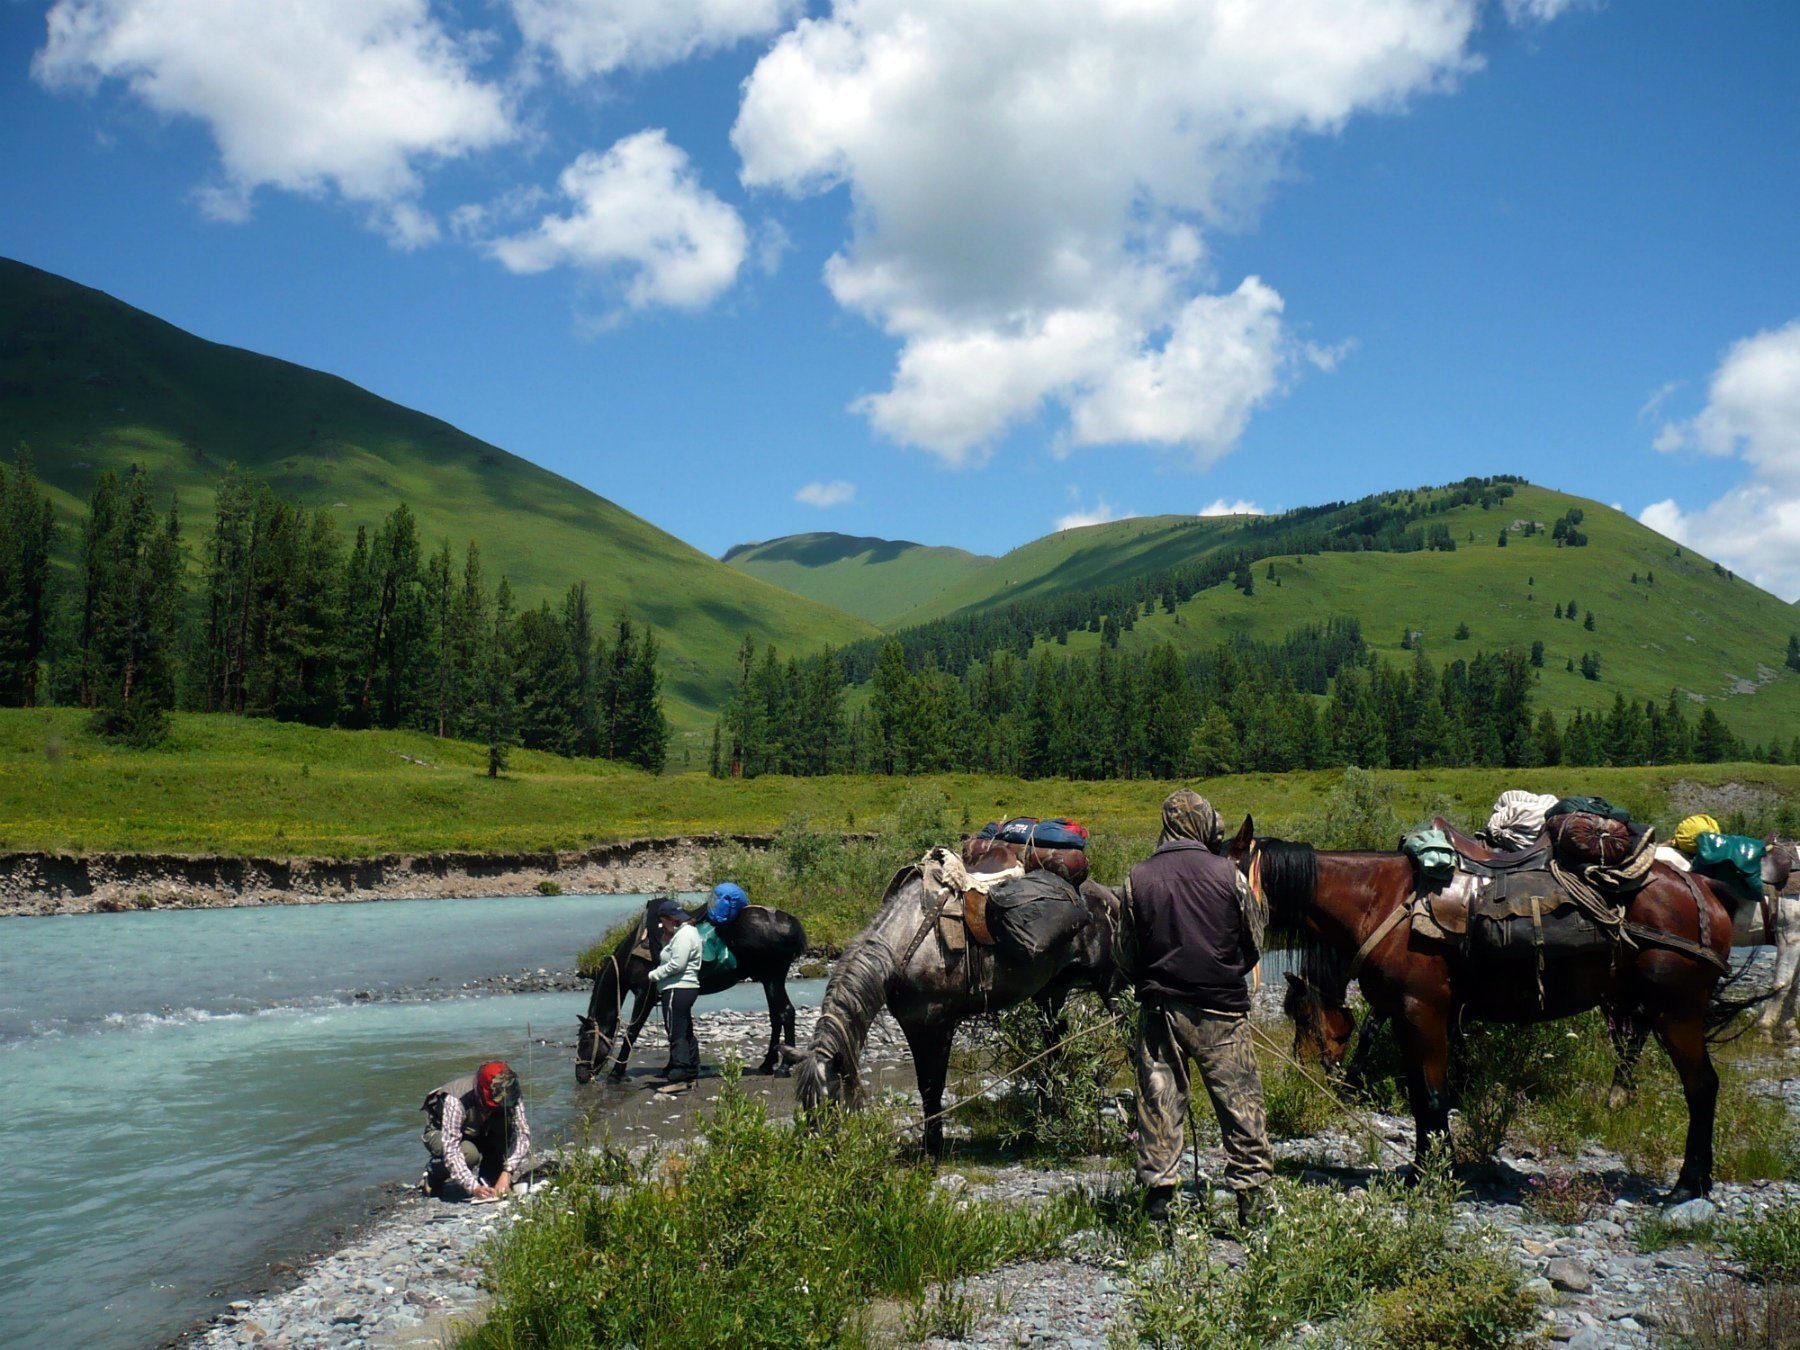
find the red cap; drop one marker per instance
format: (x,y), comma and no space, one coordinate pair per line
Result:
(494,1082)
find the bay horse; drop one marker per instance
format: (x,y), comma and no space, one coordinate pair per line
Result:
(766,943)
(896,963)
(1335,905)
(1323,1029)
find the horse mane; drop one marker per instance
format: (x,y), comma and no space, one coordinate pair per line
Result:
(1290,876)
(857,992)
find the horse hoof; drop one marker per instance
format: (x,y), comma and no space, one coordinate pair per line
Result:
(617,1076)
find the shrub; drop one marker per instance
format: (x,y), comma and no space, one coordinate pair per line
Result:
(549,888)
(1061,1102)
(1358,1257)
(1357,813)
(1295,1100)
(1769,1243)
(759,1234)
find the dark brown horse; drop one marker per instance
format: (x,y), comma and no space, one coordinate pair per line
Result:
(766,943)
(1334,905)
(898,963)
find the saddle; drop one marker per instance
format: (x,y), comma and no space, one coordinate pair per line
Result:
(1483,860)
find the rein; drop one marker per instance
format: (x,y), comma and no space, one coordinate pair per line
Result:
(598,1061)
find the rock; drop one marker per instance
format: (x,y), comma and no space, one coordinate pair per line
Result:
(1586,1338)
(1692,1214)
(1538,1286)
(1570,1275)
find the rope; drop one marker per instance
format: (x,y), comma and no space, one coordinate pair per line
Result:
(1015,1072)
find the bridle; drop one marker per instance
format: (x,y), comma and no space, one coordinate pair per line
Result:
(603,1045)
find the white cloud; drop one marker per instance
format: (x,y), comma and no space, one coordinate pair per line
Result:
(596,37)
(826,494)
(1752,413)
(1102,512)
(640,217)
(1523,12)
(345,96)
(1241,507)
(1030,183)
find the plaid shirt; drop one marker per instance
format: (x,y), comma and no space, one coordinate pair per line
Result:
(454,1122)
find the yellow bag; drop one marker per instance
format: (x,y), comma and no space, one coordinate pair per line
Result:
(1687,833)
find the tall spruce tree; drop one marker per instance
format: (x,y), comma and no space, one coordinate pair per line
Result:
(27,537)
(136,611)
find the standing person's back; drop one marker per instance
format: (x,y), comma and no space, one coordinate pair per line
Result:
(1191,934)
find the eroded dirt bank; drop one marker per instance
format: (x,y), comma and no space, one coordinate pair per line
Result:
(50,883)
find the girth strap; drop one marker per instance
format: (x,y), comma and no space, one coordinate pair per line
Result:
(1374,939)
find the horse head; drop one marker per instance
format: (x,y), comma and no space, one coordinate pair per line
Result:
(822,1078)
(593,1047)
(1322,1032)
(1780,858)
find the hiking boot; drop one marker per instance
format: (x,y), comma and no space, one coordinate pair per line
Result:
(1254,1207)
(1156,1203)
(432,1179)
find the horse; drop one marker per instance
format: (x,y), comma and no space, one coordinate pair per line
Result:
(766,943)
(1337,904)
(896,962)
(1322,1029)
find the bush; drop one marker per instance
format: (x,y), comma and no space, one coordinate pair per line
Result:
(1358,813)
(1565,1200)
(1062,1102)
(759,1234)
(549,888)
(1295,1100)
(1360,1258)
(1769,1243)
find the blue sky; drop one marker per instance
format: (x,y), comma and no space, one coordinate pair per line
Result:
(959,272)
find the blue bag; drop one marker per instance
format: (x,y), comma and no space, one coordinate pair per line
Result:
(728,901)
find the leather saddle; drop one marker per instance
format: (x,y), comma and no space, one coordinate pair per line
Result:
(1486,861)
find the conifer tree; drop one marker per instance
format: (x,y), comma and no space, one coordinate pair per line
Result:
(27,538)
(497,714)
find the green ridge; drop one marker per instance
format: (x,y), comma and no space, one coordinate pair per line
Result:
(874,579)
(90,383)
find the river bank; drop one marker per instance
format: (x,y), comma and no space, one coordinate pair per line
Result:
(39,884)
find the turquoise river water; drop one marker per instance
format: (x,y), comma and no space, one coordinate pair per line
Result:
(189,1094)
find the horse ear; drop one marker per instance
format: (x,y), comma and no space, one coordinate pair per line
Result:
(1246,835)
(1294,981)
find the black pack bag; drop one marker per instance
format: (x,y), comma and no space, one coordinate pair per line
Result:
(1034,914)
(1526,918)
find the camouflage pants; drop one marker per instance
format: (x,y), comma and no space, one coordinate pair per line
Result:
(1169,1034)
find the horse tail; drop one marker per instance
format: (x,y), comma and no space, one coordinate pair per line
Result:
(1728,1005)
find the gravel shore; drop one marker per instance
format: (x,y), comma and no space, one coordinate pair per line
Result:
(410,1278)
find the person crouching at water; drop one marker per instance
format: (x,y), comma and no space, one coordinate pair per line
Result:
(677,982)
(484,1113)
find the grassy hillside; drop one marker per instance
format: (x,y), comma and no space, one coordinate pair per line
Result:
(239,787)
(874,579)
(90,384)
(1073,560)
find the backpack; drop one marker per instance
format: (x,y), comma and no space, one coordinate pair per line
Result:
(715,956)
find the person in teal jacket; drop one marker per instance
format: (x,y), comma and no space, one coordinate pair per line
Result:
(677,981)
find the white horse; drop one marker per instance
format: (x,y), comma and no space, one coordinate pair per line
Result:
(1781,1012)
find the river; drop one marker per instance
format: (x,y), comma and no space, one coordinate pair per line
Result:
(191,1094)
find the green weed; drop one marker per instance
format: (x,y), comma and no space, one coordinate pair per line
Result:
(1769,1243)
(1359,1260)
(758,1235)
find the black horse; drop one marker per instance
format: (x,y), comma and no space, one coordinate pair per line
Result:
(766,943)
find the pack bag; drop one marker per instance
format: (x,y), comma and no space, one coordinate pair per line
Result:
(1584,839)
(1432,853)
(1591,806)
(1017,830)
(728,901)
(1734,859)
(1034,914)
(1060,833)
(1518,818)
(715,956)
(1687,834)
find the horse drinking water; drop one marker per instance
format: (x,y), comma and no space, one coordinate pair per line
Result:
(766,943)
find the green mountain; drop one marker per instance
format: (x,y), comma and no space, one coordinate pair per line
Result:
(875,579)
(90,383)
(1681,623)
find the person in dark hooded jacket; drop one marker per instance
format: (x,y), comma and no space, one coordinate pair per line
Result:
(1191,934)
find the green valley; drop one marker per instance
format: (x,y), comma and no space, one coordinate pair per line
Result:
(90,384)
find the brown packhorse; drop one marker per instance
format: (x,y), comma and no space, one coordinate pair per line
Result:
(1333,904)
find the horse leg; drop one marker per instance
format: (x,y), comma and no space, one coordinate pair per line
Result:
(1356,1075)
(930,1046)
(1425,1044)
(640,1013)
(1777,1017)
(1629,1032)
(1684,1037)
(775,991)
